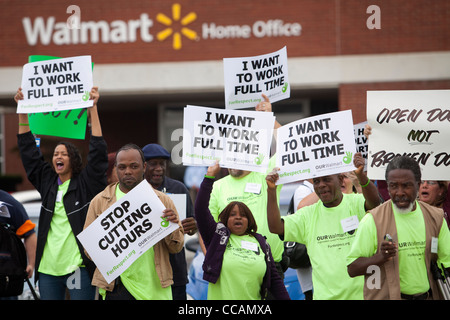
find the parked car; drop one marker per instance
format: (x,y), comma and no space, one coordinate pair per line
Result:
(286,194)
(31,200)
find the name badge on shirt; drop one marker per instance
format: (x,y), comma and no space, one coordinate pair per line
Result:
(253,188)
(59,196)
(434,245)
(249,245)
(350,223)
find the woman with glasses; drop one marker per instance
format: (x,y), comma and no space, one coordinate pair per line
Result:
(433,192)
(437,194)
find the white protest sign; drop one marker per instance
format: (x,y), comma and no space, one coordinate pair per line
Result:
(246,79)
(130,227)
(239,139)
(179,200)
(414,123)
(55,85)
(361,141)
(315,146)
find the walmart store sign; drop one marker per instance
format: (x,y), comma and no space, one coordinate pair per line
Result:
(47,31)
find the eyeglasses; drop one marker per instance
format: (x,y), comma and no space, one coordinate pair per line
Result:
(429,182)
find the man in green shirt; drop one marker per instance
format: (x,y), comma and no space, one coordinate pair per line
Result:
(327,228)
(396,242)
(150,276)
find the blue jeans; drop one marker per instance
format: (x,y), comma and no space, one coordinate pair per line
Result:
(78,283)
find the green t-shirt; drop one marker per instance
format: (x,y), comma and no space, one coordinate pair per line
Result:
(251,190)
(242,273)
(61,253)
(141,278)
(411,248)
(320,229)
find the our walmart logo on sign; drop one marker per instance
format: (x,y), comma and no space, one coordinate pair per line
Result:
(170,22)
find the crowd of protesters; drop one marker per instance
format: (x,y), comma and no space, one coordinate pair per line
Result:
(393,229)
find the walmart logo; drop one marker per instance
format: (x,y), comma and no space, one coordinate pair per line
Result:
(49,31)
(171,30)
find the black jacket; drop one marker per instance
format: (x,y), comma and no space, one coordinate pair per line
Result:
(82,189)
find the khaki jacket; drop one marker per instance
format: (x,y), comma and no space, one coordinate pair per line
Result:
(390,276)
(172,243)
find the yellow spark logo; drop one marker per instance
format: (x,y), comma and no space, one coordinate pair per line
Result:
(176,16)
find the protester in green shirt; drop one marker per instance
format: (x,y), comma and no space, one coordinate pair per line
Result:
(66,189)
(237,186)
(249,187)
(150,276)
(238,263)
(327,229)
(399,266)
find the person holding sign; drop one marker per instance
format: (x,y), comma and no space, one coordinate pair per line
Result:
(150,276)
(66,190)
(156,158)
(327,228)
(249,187)
(433,192)
(397,241)
(350,184)
(238,263)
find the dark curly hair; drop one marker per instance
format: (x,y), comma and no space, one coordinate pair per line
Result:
(225,214)
(76,163)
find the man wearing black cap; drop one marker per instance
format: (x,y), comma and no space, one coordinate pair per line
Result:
(155,173)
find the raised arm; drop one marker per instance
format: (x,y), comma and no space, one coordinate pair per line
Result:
(266,106)
(205,221)
(276,224)
(94,120)
(23,117)
(369,189)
